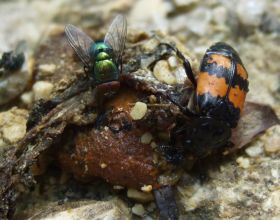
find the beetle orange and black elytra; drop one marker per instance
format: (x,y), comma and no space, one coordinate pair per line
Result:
(220,91)
(222,84)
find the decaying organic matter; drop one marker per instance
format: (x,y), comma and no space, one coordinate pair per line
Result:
(108,142)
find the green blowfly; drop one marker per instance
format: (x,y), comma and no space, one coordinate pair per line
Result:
(102,59)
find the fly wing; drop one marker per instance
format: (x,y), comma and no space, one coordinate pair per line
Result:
(116,36)
(80,42)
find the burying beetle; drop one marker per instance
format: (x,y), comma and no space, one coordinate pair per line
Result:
(220,92)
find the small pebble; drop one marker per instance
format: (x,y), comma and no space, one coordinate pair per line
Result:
(180,75)
(42,89)
(243,162)
(153,145)
(272,202)
(12,125)
(138,209)
(138,111)
(14,133)
(27,98)
(272,140)
(139,196)
(155,158)
(146,138)
(220,15)
(255,150)
(172,61)
(198,21)
(103,165)
(152,99)
(275,173)
(163,73)
(147,188)
(117,187)
(48,68)
(250,12)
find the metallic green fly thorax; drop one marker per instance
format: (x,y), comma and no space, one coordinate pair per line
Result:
(102,56)
(100,46)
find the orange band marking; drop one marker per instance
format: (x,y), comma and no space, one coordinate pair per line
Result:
(212,84)
(237,97)
(241,71)
(220,60)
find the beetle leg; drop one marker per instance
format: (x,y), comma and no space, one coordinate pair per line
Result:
(184,109)
(166,203)
(186,63)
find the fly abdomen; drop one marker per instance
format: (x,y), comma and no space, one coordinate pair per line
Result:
(105,71)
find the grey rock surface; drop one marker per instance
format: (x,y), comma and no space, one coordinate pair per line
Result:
(87,210)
